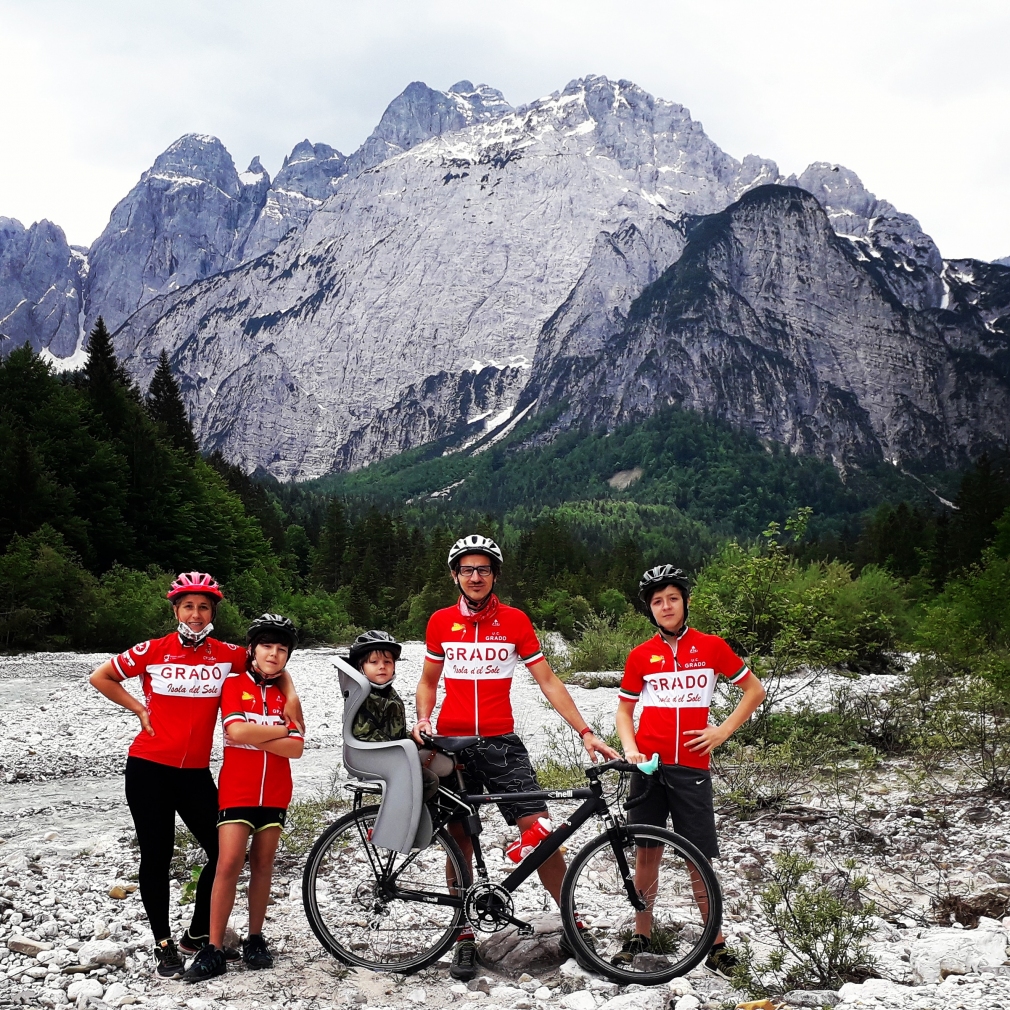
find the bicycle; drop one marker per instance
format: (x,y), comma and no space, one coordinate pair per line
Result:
(382,910)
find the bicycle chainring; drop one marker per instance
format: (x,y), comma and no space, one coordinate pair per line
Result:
(488,907)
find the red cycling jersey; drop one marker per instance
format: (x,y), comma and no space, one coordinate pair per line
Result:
(251,777)
(675,684)
(182,692)
(479,652)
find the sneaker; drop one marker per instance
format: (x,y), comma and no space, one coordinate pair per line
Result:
(231,954)
(170,965)
(464,961)
(255,952)
(587,938)
(208,963)
(190,944)
(721,960)
(638,944)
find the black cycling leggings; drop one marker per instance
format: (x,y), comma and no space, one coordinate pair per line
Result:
(155,794)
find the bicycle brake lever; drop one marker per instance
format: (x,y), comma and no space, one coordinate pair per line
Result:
(648,767)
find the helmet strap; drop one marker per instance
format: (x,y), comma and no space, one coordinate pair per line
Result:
(191,637)
(475,607)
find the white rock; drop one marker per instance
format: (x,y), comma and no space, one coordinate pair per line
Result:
(199,1004)
(574,977)
(506,992)
(114,993)
(680,986)
(102,952)
(687,1002)
(941,952)
(418,996)
(580,1000)
(654,998)
(850,992)
(85,987)
(542,993)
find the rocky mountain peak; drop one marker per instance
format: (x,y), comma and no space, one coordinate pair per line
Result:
(199,157)
(311,169)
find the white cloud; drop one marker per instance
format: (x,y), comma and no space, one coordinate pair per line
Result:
(911,95)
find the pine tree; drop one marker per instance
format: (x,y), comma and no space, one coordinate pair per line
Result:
(328,559)
(165,407)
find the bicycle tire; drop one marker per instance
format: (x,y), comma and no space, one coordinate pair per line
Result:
(608,901)
(338,884)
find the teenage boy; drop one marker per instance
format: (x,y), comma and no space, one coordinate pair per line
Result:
(673,674)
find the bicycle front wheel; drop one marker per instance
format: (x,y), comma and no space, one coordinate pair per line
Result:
(676,887)
(380,909)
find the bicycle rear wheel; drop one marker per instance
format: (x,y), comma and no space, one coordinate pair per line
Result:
(680,893)
(380,909)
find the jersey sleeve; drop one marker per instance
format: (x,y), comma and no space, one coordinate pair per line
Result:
(132,663)
(433,649)
(632,681)
(231,701)
(731,666)
(527,644)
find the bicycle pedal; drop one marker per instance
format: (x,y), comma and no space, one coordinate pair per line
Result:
(525,930)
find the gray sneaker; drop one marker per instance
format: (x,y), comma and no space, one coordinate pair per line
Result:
(464,961)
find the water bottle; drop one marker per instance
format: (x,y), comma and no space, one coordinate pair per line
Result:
(529,840)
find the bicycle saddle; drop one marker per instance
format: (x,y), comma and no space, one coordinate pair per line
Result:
(454,744)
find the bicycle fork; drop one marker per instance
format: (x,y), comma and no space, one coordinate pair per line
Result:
(615,834)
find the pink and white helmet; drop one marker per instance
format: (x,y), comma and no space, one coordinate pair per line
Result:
(195,582)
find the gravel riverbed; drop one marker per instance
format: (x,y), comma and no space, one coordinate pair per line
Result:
(72,928)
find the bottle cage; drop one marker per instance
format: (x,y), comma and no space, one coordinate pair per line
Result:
(403,822)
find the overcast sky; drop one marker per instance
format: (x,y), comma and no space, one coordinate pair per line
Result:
(914,96)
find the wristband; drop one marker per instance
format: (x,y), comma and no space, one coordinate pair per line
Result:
(585,732)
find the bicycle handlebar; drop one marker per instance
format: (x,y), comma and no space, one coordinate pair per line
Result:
(619,765)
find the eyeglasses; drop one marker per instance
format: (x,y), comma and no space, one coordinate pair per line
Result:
(465,571)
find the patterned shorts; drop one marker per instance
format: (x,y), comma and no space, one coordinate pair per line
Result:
(501,764)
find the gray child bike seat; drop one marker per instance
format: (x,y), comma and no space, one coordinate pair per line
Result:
(403,822)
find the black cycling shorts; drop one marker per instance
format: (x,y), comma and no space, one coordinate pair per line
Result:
(685,796)
(256,818)
(501,764)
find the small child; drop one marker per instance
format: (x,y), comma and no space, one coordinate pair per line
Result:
(254,790)
(381,716)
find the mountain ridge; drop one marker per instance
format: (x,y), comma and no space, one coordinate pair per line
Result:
(425,286)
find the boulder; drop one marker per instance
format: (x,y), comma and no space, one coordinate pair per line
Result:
(813,997)
(655,998)
(23,945)
(511,954)
(942,952)
(90,987)
(102,952)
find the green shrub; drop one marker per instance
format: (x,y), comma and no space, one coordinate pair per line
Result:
(560,611)
(47,599)
(132,607)
(821,932)
(604,644)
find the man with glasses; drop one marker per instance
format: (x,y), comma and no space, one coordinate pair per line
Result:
(476,643)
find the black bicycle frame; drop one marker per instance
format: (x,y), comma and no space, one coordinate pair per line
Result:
(594,804)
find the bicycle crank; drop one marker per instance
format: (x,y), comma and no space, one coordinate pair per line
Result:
(489,908)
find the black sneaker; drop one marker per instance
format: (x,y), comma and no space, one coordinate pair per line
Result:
(721,960)
(208,963)
(638,944)
(255,953)
(464,961)
(189,944)
(170,965)
(231,954)
(587,938)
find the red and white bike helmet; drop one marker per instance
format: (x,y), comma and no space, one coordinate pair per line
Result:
(194,582)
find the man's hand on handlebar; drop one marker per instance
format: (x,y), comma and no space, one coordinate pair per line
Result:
(421,726)
(594,745)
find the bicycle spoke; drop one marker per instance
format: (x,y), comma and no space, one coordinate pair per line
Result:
(379,908)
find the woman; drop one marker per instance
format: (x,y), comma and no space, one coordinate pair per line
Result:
(167,770)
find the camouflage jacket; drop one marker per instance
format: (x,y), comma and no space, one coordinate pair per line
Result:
(381,717)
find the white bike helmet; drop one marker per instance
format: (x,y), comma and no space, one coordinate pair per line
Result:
(476,544)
